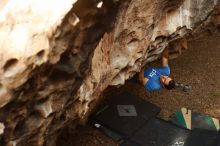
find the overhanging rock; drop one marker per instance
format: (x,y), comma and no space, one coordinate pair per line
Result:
(56,57)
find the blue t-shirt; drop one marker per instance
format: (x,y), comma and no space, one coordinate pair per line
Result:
(153,75)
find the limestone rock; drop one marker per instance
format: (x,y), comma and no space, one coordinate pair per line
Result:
(140,34)
(25,32)
(57,57)
(2,128)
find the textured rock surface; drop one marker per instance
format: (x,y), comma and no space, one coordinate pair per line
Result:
(142,30)
(57,57)
(27,31)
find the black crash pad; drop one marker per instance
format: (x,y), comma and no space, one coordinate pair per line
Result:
(124,114)
(218,139)
(129,143)
(201,137)
(158,132)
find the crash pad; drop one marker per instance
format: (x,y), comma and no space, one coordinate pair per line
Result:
(158,132)
(124,114)
(193,120)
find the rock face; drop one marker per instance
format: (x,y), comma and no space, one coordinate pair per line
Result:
(57,57)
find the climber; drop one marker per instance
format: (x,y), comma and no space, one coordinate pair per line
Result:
(156,78)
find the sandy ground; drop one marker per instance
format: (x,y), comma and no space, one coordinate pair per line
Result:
(199,66)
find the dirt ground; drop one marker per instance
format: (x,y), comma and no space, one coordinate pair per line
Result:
(199,66)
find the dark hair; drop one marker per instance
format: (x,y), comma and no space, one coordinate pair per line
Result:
(171,85)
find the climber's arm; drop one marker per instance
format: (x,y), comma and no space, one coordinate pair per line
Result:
(165,57)
(142,79)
